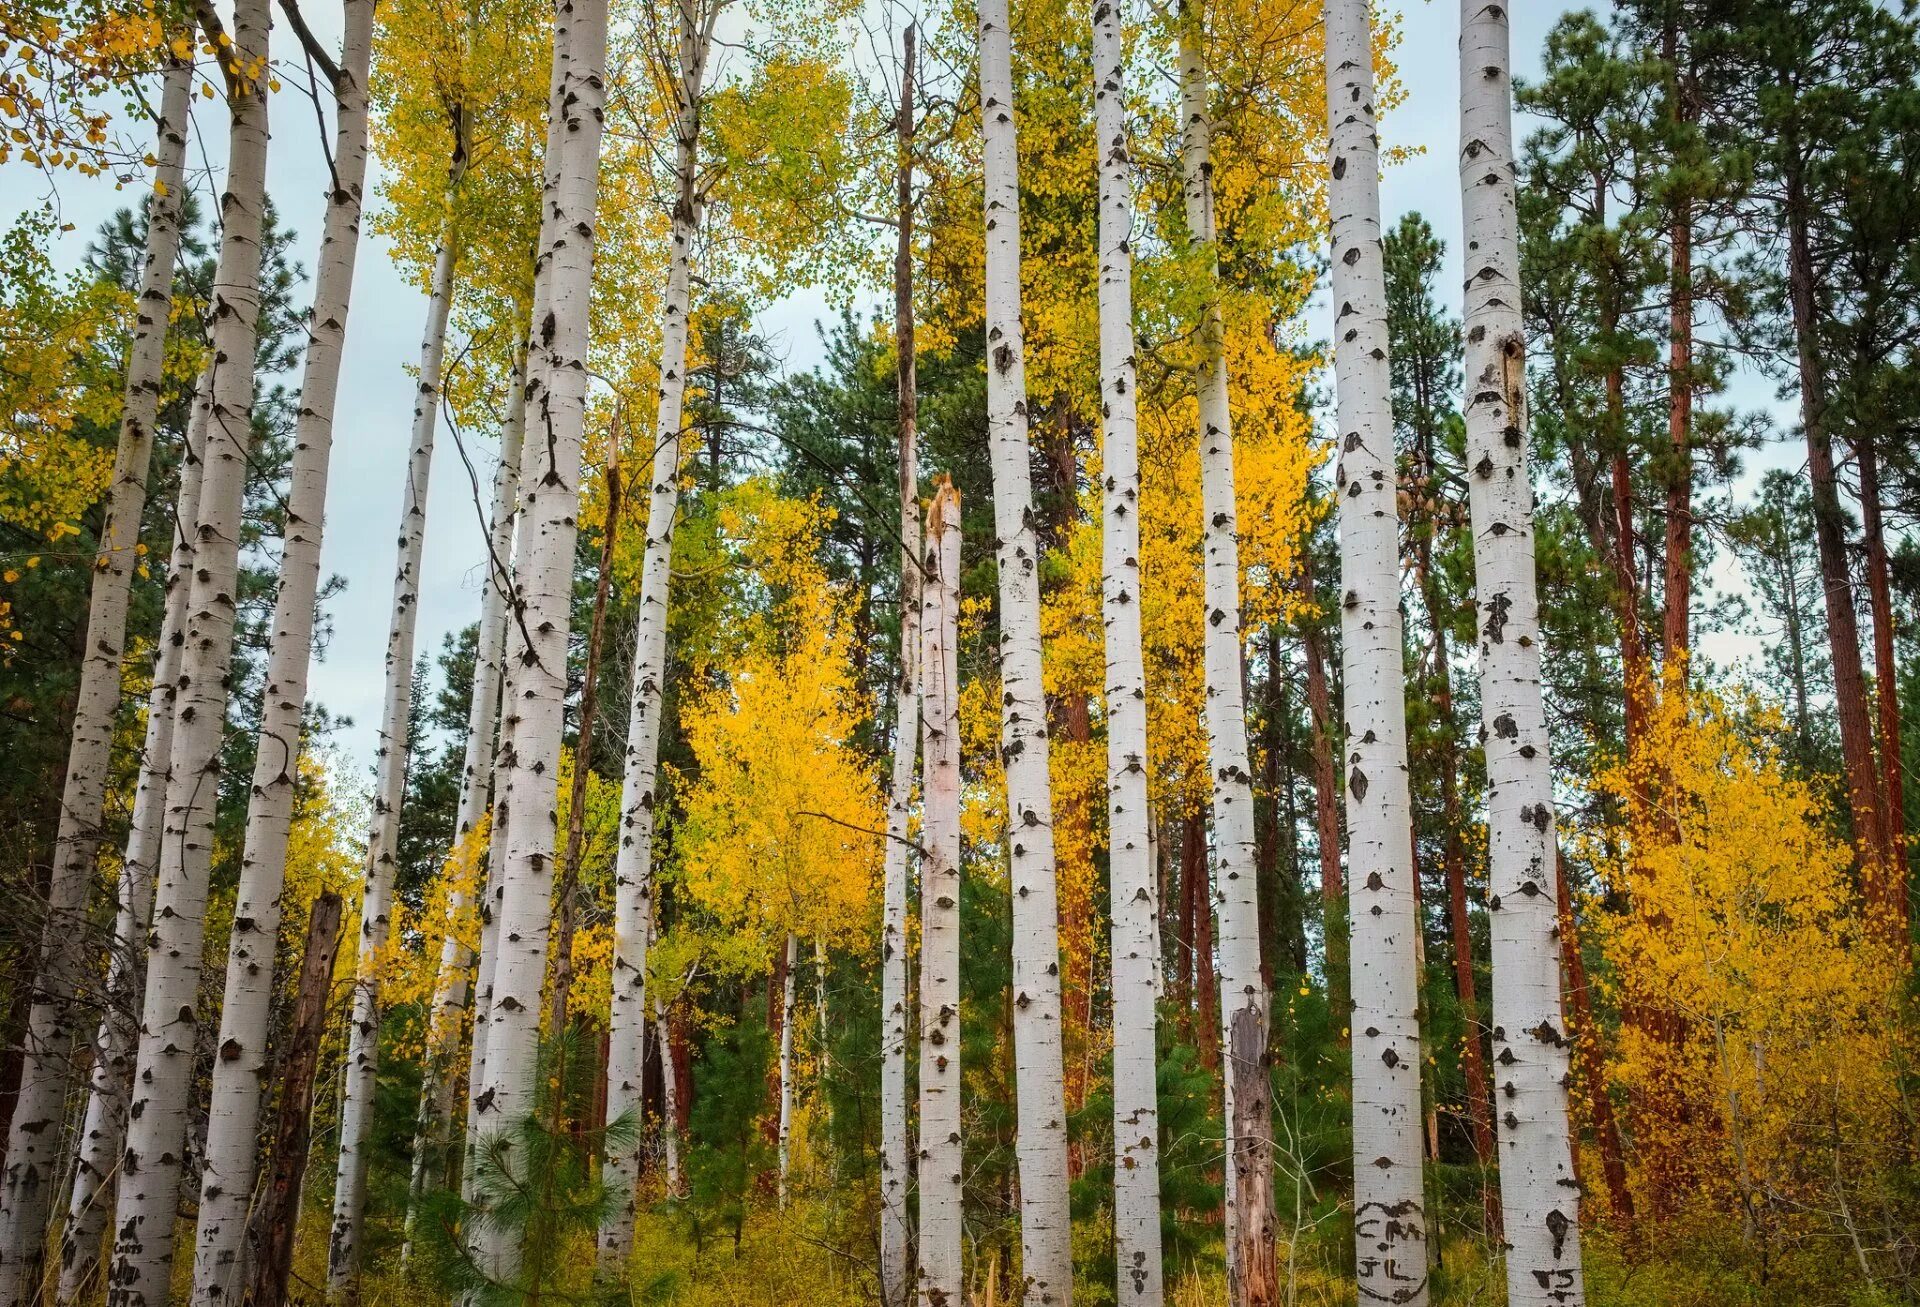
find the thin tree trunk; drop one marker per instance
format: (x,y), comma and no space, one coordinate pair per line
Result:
(1132,891)
(1235,880)
(271,1226)
(559,1015)
(1886,683)
(53,1023)
(163,1077)
(669,1099)
(786,1057)
(633,866)
(895,1144)
(104,1126)
(390,786)
(556,406)
(1540,1199)
(240,1068)
(1389,1216)
(451,987)
(940,1177)
(1040,1140)
(1679,589)
(1326,821)
(1586,1047)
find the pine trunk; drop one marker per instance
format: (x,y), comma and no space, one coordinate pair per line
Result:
(163,1078)
(1389,1216)
(1588,1058)
(1041,1119)
(1679,593)
(452,988)
(104,1127)
(271,1226)
(940,1161)
(633,865)
(389,791)
(240,1068)
(1886,686)
(895,1156)
(1540,1198)
(1326,820)
(556,407)
(53,1023)
(1132,890)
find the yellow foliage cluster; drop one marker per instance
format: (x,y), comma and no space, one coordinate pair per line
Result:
(55,61)
(1760,1000)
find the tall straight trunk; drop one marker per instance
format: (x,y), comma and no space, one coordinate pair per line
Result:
(104,1126)
(1540,1198)
(1235,879)
(786,1057)
(163,1076)
(1326,819)
(1040,1140)
(559,1014)
(53,1022)
(240,1069)
(1679,592)
(1389,1213)
(669,1099)
(940,1176)
(556,406)
(1886,683)
(452,990)
(271,1225)
(390,784)
(633,865)
(1132,891)
(1870,842)
(895,1155)
(1587,1053)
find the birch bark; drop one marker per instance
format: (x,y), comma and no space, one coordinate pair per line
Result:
(939,1282)
(163,1076)
(1389,1216)
(786,1061)
(53,1022)
(1539,1195)
(1041,1131)
(895,1156)
(1132,889)
(104,1126)
(556,410)
(240,1068)
(633,863)
(390,784)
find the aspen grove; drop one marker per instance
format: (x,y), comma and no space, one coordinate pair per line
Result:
(742,653)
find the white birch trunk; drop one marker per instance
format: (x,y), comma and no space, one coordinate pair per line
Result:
(940,1155)
(1041,1130)
(452,985)
(1539,1195)
(390,785)
(53,1023)
(1234,879)
(1133,894)
(633,863)
(669,1099)
(240,1067)
(104,1125)
(896,860)
(786,1062)
(1389,1218)
(556,412)
(163,1078)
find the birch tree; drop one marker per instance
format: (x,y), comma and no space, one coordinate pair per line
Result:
(33,1142)
(104,1122)
(1041,1130)
(390,783)
(1539,1194)
(895,1159)
(940,1176)
(556,412)
(240,1069)
(1243,997)
(1389,1216)
(163,1076)
(1133,887)
(786,1059)
(633,863)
